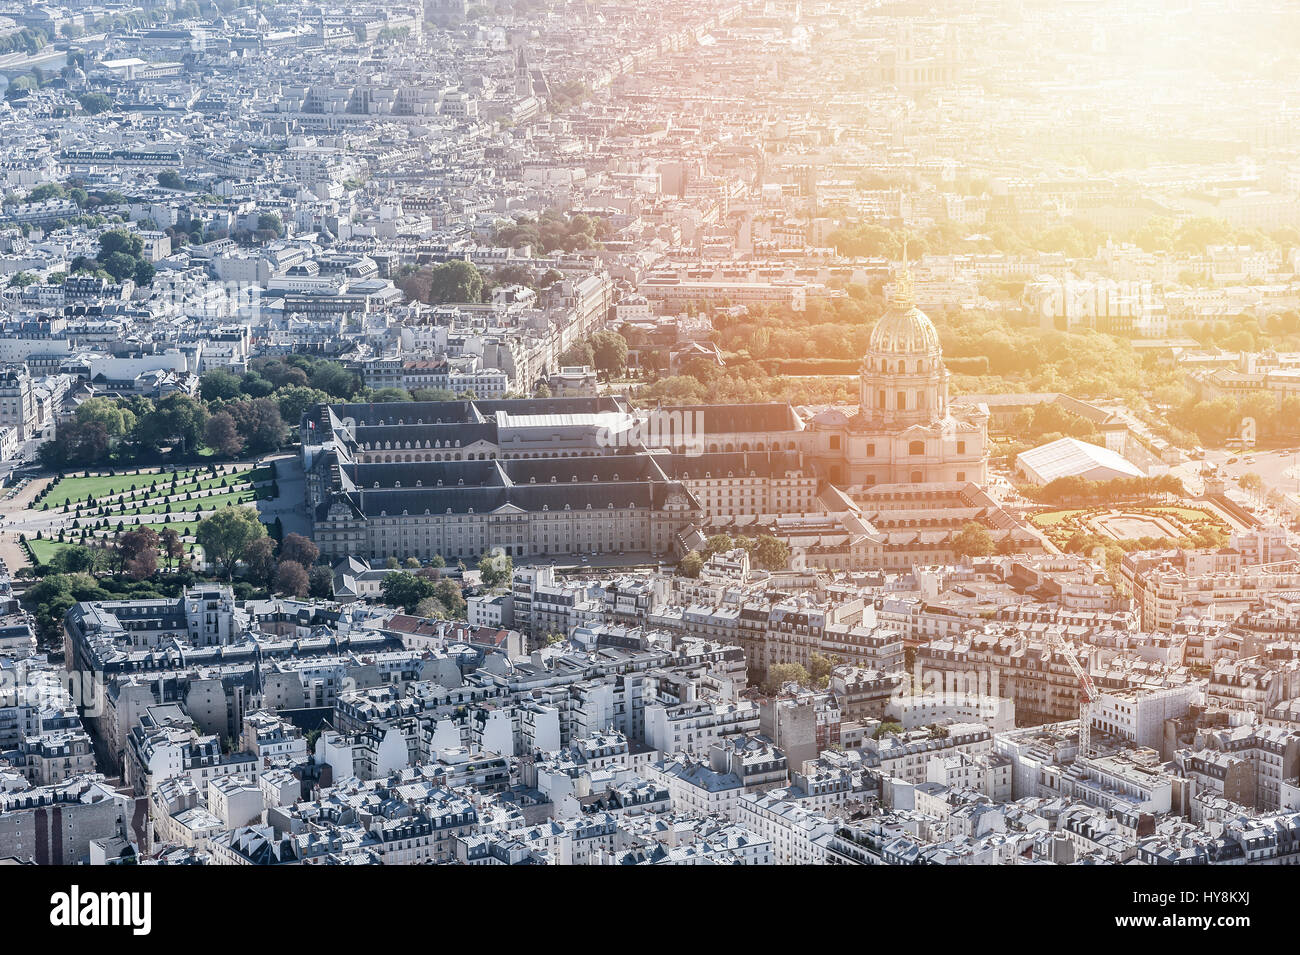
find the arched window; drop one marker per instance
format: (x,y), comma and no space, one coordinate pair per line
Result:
(916,448)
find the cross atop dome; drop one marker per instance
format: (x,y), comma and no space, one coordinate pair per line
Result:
(904,296)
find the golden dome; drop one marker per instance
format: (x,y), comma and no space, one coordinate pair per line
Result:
(904,329)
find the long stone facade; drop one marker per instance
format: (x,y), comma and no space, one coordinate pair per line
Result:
(565,476)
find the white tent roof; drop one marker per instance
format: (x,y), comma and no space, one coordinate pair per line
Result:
(1070,457)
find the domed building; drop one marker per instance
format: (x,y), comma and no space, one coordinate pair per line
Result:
(905,431)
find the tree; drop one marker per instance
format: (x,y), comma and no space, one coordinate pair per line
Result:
(432,608)
(691,564)
(886,728)
(291,579)
(496,570)
(973,540)
(76,559)
(455,281)
(173,548)
(320,582)
(299,549)
(225,534)
(120,241)
(449,594)
(95,103)
(609,351)
(143,565)
(116,419)
(717,544)
(335,380)
(771,553)
(404,589)
(294,400)
(119,265)
(48,600)
(219,385)
(137,552)
(177,419)
(579,353)
(269,225)
(221,435)
(819,669)
(170,179)
(782,673)
(259,560)
(75,443)
(259,423)
(1251,483)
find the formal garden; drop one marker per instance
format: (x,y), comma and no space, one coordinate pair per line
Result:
(1132,527)
(99,505)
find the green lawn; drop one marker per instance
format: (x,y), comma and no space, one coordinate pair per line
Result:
(45,549)
(208,503)
(1052,518)
(1189,514)
(143,492)
(144,500)
(189,479)
(78,488)
(184,528)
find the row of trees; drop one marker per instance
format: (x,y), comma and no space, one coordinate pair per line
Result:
(1075,238)
(703,382)
(460,281)
(1079,490)
(141,562)
(552,231)
(104,430)
(985,351)
(234,414)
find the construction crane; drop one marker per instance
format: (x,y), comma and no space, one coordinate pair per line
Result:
(1087,691)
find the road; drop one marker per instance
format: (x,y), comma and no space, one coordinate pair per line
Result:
(1279,470)
(290,506)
